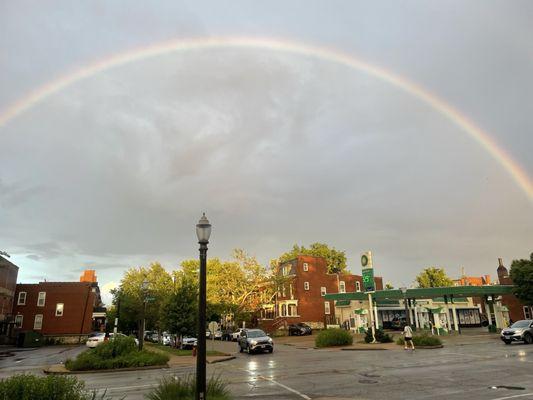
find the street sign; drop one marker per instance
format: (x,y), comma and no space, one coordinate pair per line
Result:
(213,327)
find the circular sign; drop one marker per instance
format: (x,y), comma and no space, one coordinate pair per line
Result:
(364,260)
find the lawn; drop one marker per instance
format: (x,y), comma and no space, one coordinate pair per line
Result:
(179,352)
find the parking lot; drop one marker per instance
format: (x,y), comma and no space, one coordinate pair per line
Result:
(468,367)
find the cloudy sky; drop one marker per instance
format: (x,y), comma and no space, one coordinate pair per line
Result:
(114,170)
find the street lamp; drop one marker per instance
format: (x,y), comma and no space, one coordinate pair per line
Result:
(407,315)
(203,231)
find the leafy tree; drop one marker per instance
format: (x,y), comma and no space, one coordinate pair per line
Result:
(335,259)
(522,276)
(133,295)
(180,309)
(433,277)
(388,286)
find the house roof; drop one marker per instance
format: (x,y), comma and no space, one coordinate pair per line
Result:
(426,293)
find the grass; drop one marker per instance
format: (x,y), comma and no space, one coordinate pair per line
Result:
(333,337)
(180,352)
(183,388)
(117,353)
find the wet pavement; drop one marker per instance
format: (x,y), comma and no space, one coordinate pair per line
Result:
(470,368)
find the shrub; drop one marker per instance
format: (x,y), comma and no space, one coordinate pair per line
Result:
(422,340)
(125,353)
(51,387)
(185,388)
(333,337)
(381,336)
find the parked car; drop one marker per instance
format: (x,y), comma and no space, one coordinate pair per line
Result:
(235,336)
(97,338)
(188,342)
(253,340)
(299,329)
(218,335)
(520,331)
(165,340)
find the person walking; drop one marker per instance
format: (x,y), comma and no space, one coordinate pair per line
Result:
(408,337)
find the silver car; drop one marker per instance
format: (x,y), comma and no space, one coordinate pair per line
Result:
(518,332)
(253,340)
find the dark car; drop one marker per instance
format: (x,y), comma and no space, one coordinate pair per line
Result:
(253,340)
(299,329)
(520,331)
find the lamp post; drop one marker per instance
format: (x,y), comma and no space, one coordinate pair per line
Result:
(144,289)
(203,231)
(407,315)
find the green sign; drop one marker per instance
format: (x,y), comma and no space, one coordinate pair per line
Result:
(368,279)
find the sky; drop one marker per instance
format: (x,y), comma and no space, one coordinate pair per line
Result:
(114,170)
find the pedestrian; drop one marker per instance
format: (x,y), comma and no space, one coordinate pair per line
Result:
(408,337)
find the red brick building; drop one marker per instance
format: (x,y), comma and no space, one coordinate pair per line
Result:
(8,283)
(517,310)
(301,297)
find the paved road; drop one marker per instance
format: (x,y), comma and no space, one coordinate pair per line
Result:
(466,371)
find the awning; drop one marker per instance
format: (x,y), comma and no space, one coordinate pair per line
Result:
(342,303)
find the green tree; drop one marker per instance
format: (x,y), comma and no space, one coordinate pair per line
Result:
(335,259)
(388,286)
(180,310)
(522,276)
(433,277)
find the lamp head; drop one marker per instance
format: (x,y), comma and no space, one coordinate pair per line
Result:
(203,230)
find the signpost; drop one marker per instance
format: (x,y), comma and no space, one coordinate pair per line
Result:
(369,286)
(213,328)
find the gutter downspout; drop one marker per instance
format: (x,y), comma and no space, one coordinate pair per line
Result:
(84,313)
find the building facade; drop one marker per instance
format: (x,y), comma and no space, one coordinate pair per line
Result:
(304,283)
(517,310)
(8,283)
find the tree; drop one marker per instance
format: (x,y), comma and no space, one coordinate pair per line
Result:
(335,259)
(388,286)
(433,277)
(522,276)
(180,309)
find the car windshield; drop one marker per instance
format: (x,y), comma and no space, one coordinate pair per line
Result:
(97,335)
(520,324)
(253,334)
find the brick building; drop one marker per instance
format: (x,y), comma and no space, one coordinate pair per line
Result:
(517,310)
(60,310)
(8,282)
(472,281)
(301,297)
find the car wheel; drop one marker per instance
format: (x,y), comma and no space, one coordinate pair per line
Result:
(507,341)
(528,339)
(240,349)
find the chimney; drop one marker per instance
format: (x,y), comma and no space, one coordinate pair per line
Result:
(500,262)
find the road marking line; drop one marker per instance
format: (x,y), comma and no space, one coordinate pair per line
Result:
(286,387)
(512,397)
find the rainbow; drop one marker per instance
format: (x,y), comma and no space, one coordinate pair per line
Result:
(335,56)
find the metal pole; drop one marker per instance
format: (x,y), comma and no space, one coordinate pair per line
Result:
(200,355)
(141,335)
(115,329)
(370,313)
(407,314)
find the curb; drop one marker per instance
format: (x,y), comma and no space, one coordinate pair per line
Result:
(47,371)
(363,349)
(221,360)
(440,346)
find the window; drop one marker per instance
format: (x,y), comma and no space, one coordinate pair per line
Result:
(323,291)
(306,285)
(326,307)
(283,310)
(41,299)
(38,323)
(18,321)
(22,299)
(342,287)
(59,309)
(287,270)
(527,312)
(306,267)
(292,310)
(357,286)
(283,293)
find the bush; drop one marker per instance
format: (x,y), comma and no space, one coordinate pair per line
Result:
(422,340)
(381,336)
(333,337)
(126,355)
(185,389)
(51,387)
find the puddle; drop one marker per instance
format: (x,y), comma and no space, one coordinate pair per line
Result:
(368,381)
(369,375)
